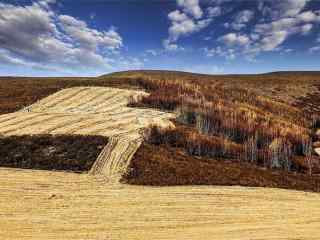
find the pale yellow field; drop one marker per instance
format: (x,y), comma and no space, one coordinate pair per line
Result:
(83,111)
(90,111)
(55,205)
(59,205)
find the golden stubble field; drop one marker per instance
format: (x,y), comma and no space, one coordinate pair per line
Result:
(57,205)
(98,111)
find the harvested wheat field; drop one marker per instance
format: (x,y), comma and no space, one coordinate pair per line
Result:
(57,205)
(89,111)
(38,204)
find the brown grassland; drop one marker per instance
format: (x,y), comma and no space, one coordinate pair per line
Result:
(252,130)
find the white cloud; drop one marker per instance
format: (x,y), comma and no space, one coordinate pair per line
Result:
(273,34)
(191,7)
(272,41)
(204,69)
(89,38)
(241,20)
(177,16)
(282,19)
(244,16)
(46,3)
(235,39)
(228,53)
(314,49)
(305,29)
(214,11)
(283,8)
(184,23)
(34,36)
(152,52)
(169,46)
(186,27)
(308,16)
(25,30)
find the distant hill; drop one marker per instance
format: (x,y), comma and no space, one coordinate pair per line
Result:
(135,73)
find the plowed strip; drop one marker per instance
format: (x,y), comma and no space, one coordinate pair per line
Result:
(89,111)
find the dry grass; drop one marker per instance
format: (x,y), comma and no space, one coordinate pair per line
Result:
(57,205)
(261,115)
(271,133)
(50,205)
(90,111)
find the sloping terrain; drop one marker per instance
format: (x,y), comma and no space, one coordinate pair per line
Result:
(58,205)
(96,111)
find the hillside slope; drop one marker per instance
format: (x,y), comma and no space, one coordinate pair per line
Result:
(38,204)
(289,99)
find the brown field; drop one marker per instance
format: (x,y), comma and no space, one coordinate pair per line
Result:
(207,147)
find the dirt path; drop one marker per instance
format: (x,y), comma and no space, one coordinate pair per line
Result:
(114,159)
(55,205)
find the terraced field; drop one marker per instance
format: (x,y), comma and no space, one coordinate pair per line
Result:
(98,111)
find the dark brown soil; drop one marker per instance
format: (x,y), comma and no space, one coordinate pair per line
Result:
(48,152)
(166,166)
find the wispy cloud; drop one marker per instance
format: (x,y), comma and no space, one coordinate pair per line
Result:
(184,22)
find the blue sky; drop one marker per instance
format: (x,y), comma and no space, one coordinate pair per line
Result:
(93,37)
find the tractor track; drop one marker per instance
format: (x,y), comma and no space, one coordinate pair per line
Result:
(89,111)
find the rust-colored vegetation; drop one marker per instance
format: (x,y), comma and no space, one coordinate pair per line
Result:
(260,125)
(231,123)
(163,165)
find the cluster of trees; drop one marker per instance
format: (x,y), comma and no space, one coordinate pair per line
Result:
(231,123)
(264,141)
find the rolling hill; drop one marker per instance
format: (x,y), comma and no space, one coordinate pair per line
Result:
(245,130)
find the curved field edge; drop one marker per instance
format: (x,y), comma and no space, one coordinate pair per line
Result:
(278,87)
(163,165)
(88,111)
(56,205)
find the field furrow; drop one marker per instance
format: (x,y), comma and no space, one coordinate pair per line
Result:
(96,99)
(7,117)
(66,94)
(104,97)
(20,119)
(115,157)
(89,111)
(27,127)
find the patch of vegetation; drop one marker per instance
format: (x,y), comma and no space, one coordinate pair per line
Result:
(261,131)
(48,152)
(163,165)
(263,124)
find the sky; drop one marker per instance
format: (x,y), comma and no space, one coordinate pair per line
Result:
(95,37)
